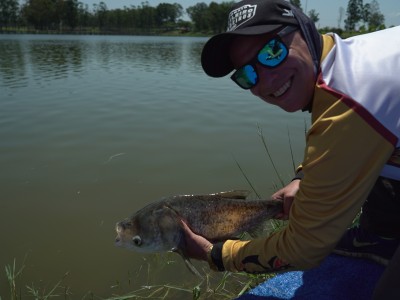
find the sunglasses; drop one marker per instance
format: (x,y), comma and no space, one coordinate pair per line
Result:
(271,55)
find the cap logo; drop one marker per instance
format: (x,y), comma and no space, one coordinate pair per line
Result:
(287,13)
(240,16)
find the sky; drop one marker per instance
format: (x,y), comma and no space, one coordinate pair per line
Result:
(328,10)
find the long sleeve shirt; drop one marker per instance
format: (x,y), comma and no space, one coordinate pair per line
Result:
(354,138)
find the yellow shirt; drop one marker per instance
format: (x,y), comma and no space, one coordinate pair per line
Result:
(344,156)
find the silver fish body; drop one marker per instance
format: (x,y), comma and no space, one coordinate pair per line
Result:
(217,217)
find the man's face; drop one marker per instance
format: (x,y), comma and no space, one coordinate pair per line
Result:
(289,85)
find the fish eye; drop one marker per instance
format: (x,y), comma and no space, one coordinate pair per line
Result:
(137,240)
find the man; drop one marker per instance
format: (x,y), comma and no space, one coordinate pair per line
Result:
(352,154)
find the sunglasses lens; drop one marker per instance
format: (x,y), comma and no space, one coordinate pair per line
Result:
(245,77)
(273,53)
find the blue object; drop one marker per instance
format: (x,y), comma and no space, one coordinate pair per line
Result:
(338,277)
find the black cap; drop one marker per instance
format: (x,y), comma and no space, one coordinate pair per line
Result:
(248,17)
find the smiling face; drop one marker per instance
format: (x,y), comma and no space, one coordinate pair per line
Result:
(289,85)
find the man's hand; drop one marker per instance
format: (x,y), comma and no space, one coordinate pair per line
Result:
(287,195)
(196,245)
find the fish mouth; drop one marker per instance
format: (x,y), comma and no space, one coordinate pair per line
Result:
(121,242)
(125,239)
(118,241)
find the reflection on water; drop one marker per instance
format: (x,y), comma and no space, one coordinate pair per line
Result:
(94,127)
(55,58)
(12,64)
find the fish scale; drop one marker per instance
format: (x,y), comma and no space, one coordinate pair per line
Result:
(219,219)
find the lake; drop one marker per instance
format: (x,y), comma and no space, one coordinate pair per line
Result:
(92,128)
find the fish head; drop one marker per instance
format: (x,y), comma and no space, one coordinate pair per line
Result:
(128,234)
(131,235)
(149,231)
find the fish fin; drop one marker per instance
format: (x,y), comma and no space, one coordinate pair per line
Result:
(188,263)
(234,194)
(265,228)
(257,231)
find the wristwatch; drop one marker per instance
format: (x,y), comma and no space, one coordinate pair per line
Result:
(214,258)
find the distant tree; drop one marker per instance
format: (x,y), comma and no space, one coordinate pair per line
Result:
(296,3)
(199,16)
(365,12)
(115,18)
(184,26)
(57,13)
(373,16)
(218,15)
(132,16)
(40,13)
(166,12)
(100,12)
(8,12)
(70,13)
(354,14)
(314,16)
(146,16)
(83,15)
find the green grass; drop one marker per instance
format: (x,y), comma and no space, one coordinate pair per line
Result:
(271,161)
(214,285)
(13,274)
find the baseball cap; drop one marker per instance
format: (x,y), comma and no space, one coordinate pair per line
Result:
(248,17)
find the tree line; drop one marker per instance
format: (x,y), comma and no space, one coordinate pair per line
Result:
(359,16)
(75,16)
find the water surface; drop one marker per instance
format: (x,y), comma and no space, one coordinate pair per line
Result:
(94,127)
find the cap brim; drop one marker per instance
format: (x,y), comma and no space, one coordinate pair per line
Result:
(215,58)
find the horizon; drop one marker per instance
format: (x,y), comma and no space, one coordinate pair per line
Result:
(328,10)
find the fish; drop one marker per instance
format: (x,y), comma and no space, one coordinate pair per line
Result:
(217,217)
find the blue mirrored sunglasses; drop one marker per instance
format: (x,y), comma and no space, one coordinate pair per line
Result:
(271,55)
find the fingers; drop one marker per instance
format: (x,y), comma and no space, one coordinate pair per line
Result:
(287,198)
(189,235)
(279,195)
(287,195)
(188,231)
(196,245)
(184,225)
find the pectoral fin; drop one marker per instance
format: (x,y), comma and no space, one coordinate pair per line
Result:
(168,221)
(187,261)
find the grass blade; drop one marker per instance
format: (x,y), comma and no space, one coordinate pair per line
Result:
(291,151)
(247,179)
(261,135)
